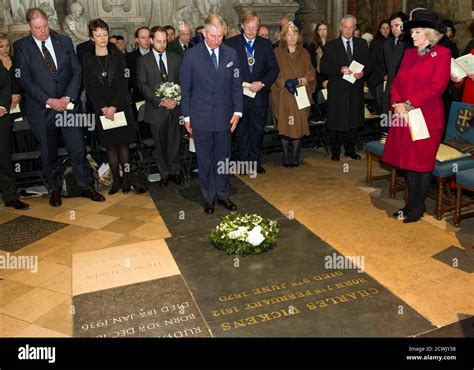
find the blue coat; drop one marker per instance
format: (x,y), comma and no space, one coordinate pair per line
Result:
(211,97)
(37,81)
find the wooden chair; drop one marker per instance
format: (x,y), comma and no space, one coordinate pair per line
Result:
(464,181)
(374,150)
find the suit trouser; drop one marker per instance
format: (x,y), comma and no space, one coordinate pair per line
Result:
(212,150)
(249,133)
(166,135)
(47,135)
(7,175)
(346,138)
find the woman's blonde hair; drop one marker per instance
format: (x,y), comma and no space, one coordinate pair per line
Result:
(433,35)
(290,27)
(4,36)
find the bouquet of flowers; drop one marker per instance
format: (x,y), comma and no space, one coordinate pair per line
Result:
(245,234)
(169,90)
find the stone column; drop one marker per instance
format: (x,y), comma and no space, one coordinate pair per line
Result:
(335,11)
(269,14)
(460,12)
(311,12)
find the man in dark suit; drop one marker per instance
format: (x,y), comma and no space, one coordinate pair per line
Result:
(7,175)
(345,100)
(50,74)
(143,40)
(153,69)
(259,68)
(393,49)
(212,104)
(182,43)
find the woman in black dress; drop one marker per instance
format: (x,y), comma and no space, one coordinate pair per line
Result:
(106,83)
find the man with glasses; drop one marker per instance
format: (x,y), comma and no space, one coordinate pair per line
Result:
(143,42)
(259,69)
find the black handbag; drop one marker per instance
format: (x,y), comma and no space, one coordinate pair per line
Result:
(138,178)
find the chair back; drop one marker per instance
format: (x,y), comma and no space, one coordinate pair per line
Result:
(460,121)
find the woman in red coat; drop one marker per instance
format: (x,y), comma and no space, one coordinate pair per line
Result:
(423,76)
(467,82)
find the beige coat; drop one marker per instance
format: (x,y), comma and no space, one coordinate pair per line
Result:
(290,121)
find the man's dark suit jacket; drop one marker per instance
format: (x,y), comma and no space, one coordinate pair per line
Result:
(132,66)
(265,68)
(38,82)
(149,79)
(175,47)
(211,97)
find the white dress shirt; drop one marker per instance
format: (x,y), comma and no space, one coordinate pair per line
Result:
(165,60)
(49,45)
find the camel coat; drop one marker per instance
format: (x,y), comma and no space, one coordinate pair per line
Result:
(289,120)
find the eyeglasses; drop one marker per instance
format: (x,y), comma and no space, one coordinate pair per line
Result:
(251,28)
(144,37)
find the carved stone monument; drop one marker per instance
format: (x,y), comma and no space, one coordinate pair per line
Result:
(75,24)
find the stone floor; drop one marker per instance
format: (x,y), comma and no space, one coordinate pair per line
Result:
(106,250)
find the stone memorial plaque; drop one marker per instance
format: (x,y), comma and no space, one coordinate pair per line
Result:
(288,291)
(24,230)
(158,308)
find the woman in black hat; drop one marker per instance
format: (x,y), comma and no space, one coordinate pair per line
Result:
(423,76)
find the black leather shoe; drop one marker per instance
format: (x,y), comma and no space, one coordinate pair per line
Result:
(177,179)
(163,182)
(126,186)
(55,199)
(415,215)
(93,195)
(354,156)
(17,204)
(115,187)
(228,204)
(260,169)
(209,208)
(336,157)
(401,213)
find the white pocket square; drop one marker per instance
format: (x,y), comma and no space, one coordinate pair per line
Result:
(230,64)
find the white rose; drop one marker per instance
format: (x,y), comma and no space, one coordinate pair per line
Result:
(255,237)
(238,233)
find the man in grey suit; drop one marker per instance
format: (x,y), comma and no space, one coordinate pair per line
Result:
(153,69)
(393,49)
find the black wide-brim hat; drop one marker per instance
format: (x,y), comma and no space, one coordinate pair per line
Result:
(424,18)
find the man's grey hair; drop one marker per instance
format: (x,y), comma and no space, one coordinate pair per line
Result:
(213,20)
(349,16)
(182,24)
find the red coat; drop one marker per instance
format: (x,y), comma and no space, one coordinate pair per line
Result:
(421,80)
